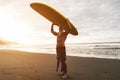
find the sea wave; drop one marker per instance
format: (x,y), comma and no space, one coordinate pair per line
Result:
(97,50)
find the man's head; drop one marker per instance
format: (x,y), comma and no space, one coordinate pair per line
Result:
(61,29)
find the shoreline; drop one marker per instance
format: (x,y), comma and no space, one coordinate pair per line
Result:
(20,65)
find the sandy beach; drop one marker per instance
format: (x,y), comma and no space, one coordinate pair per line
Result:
(19,65)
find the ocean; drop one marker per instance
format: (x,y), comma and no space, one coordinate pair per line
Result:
(109,50)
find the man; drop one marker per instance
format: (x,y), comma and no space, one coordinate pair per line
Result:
(60,47)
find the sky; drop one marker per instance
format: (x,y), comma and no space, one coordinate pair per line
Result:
(95,20)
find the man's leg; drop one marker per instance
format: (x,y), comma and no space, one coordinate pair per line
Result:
(64,69)
(63,66)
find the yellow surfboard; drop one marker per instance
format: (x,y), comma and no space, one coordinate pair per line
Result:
(53,16)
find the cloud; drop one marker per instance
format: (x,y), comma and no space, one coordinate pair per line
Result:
(6,2)
(93,18)
(98,19)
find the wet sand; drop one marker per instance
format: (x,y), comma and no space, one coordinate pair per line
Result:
(19,65)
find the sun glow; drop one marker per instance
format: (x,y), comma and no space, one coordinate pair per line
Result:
(14,32)
(10,28)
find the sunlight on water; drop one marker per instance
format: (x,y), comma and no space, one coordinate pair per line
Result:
(102,50)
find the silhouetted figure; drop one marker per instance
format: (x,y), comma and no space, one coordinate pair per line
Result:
(60,47)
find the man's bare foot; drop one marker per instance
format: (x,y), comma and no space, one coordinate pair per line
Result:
(64,76)
(61,73)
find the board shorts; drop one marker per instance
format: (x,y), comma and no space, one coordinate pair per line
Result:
(61,52)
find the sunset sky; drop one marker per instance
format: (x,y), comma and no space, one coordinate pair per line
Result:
(96,21)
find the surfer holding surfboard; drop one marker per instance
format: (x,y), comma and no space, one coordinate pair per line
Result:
(60,47)
(65,27)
